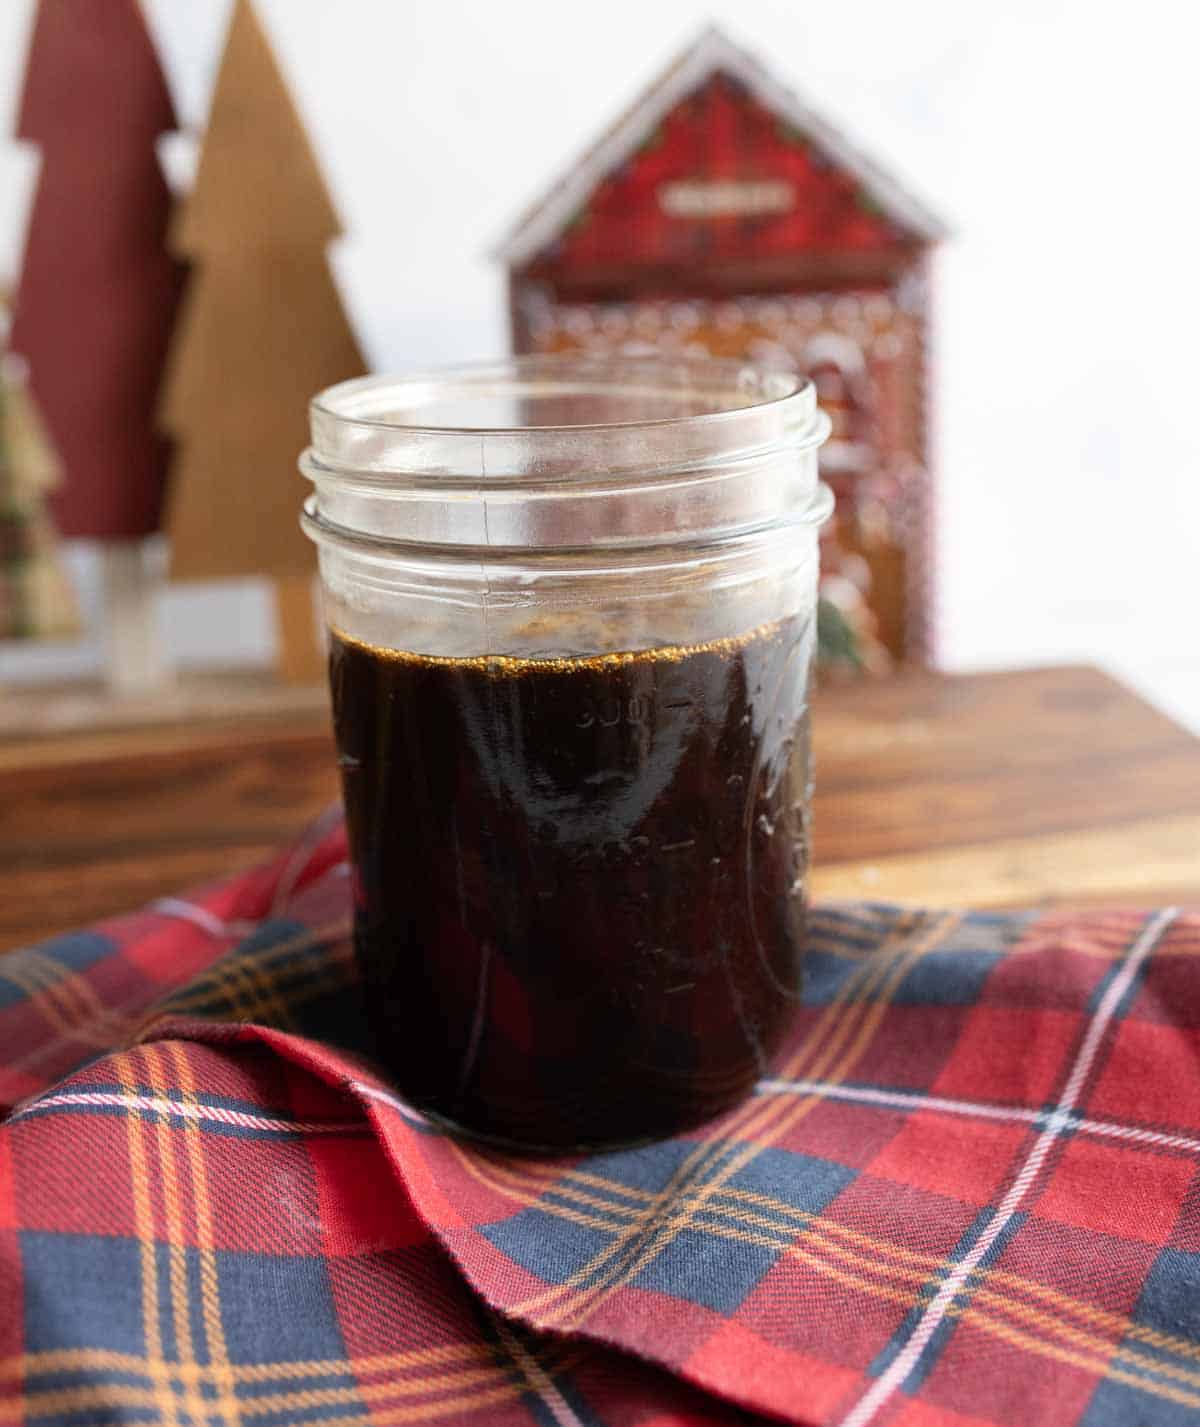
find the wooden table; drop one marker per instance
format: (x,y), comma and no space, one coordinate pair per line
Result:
(1038,786)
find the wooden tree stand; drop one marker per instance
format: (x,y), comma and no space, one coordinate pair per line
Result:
(301,655)
(135,656)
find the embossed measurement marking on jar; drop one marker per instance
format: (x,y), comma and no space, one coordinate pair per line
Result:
(608,713)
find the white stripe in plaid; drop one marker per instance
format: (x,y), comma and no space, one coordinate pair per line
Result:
(1059,1119)
(216,1114)
(978,1109)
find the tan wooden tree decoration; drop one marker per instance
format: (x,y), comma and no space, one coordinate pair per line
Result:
(36,598)
(261,331)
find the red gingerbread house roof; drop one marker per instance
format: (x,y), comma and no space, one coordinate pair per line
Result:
(717,156)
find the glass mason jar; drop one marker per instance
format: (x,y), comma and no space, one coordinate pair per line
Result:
(572,610)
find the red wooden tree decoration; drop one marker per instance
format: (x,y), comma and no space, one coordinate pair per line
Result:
(263,330)
(98,290)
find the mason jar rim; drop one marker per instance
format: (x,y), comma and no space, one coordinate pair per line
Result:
(343,402)
(689,448)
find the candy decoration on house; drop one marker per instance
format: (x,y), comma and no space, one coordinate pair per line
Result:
(262,329)
(97,298)
(36,598)
(721,216)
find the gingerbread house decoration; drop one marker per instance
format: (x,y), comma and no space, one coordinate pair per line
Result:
(721,216)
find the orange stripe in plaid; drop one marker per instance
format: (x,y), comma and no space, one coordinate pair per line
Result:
(273,1006)
(834,1261)
(212,993)
(143,1218)
(1100,1355)
(107,1360)
(462,1406)
(854,991)
(500,1383)
(480,1370)
(818,1239)
(74,987)
(1118,1324)
(103,1027)
(93,1397)
(761,1126)
(1027,1172)
(526,1182)
(233,970)
(1093,1364)
(118,1020)
(186,1368)
(1097,1363)
(535,1374)
(212,985)
(840,1244)
(1099,1358)
(250,993)
(44,983)
(210,1301)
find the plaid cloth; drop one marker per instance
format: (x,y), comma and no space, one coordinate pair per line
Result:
(969,1196)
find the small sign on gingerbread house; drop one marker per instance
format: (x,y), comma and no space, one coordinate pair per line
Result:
(721,216)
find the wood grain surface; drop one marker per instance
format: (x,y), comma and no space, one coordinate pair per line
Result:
(1008,789)
(1053,785)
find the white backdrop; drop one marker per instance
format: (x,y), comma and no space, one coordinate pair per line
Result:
(1055,135)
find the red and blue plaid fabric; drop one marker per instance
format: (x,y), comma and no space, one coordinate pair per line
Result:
(971,1194)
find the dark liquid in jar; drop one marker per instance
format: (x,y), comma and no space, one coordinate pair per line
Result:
(579,883)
